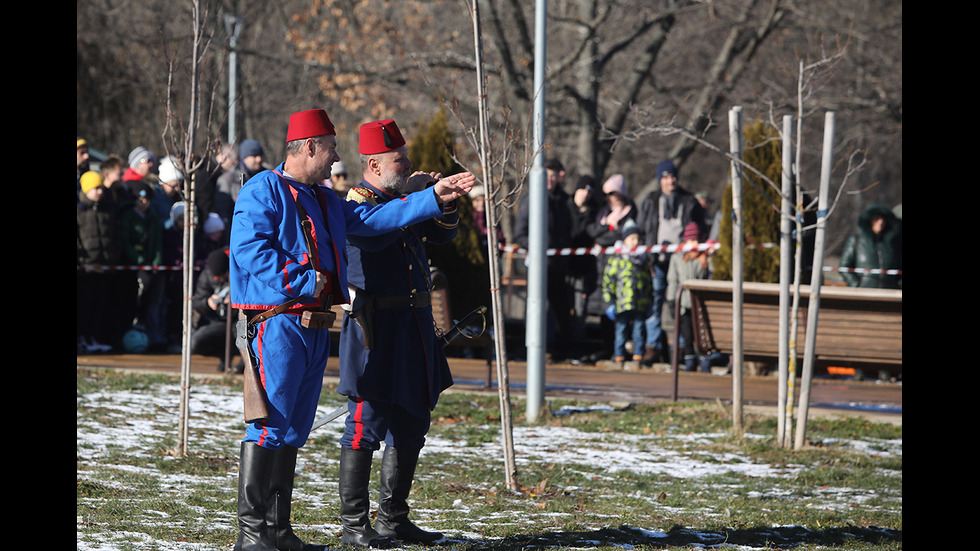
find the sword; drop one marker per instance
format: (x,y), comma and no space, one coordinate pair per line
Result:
(471,326)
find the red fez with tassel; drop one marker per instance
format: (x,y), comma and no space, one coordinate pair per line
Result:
(309,124)
(379,137)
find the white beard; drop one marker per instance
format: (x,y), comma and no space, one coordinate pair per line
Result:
(394,183)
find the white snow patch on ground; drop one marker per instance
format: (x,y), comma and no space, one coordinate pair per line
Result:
(133,422)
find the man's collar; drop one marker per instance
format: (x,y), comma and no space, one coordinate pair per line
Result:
(381,194)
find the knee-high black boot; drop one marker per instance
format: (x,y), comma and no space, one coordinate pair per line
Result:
(279,504)
(355,502)
(253,489)
(397,473)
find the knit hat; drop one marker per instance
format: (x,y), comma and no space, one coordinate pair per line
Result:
(139,156)
(80,142)
(249,148)
(585,182)
(90,180)
(140,188)
(616,183)
(629,228)
(379,137)
(214,223)
(338,168)
(691,232)
(665,168)
(177,212)
(169,171)
(218,262)
(477,191)
(309,124)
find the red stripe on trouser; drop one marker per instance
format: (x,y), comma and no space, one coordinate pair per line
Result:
(358,425)
(258,354)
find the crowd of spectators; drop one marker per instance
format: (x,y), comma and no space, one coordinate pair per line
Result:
(632,283)
(131,216)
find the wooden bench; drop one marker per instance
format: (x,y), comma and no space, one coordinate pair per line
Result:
(860,328)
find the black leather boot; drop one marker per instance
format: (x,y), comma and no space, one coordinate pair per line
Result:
(355,502)
(397,473)
(279,503)
(253,489)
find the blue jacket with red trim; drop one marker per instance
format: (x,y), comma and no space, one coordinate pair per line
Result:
(270,262)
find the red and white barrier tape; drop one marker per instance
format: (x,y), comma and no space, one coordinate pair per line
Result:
(597,250)
(581,251)
(709,246)
(874,271)
(89,267)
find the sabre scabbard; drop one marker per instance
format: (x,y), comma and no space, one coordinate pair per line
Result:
(256,409)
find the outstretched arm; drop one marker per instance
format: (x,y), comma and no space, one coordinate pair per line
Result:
(453,187)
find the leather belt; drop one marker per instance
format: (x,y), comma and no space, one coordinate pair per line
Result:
(413,300)
(255,319)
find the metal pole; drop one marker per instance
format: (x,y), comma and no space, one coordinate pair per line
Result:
(233,25)
(735,139)
(537,283)
(785,264)
(813,307)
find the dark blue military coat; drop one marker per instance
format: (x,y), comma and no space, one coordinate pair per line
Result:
(406,364)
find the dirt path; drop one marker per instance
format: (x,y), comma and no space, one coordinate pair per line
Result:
(880,401)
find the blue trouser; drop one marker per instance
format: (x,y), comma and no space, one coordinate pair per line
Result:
(371,422)
(629,324)
(291,360)
(655,332)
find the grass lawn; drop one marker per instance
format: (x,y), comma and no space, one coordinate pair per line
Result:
(590,476)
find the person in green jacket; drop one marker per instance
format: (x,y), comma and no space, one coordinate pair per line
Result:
(872,257)
(627,289)
(142,245)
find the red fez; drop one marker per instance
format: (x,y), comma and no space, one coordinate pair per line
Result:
(379,137)
(309,124)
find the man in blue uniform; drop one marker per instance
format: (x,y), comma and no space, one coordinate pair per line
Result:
(282,279)
(392,367)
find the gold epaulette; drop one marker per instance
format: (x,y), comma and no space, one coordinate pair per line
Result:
(362,195)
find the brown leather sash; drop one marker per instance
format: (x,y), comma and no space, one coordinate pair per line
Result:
(262,316)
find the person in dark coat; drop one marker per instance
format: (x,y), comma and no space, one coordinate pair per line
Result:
(663,215)
(559,236)
(583,269)
(606,229)
(392,363)
(212,310)
(207,175)
(874,250)
(98,247)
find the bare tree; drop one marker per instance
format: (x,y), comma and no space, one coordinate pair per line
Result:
(181,134)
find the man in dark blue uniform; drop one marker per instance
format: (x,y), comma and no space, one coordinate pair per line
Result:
(285,277)
(392,367)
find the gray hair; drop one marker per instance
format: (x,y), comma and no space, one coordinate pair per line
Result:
(294,147)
